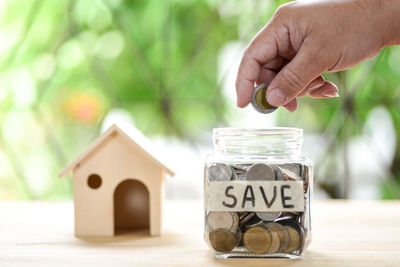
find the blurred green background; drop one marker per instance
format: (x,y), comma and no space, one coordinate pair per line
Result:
(170,67)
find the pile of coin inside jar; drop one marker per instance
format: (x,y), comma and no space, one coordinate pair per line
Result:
(264,233)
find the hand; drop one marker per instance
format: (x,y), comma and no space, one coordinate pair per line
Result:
(306,38)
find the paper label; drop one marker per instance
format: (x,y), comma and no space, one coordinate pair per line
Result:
(259,196)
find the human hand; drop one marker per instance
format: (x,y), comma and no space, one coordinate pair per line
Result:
(306,38)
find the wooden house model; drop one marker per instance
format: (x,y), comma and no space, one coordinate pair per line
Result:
(118,185)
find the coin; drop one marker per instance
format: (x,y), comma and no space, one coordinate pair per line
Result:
(275,231)
(300,229)
(288,175)
(257,239)
(234,175)
(294,239)
(239,169)
(246,217)
(223,220)
(278,174)
(293,167)
(275,243)
(260,171)
(259,99)
(282,232)
(241,214)
(285,216)
(238,235)
(242,177)
(219,172)
(254,221)
(302,234)
(222,240)
(268,216)
(306,174)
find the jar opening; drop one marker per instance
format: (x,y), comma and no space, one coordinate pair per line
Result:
(264,141)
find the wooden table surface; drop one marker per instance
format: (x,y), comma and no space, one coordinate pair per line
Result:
(345,233)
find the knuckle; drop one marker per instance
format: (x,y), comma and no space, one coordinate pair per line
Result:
(249,51)
(294,82)
(317,52)
(246,53)
(283,10)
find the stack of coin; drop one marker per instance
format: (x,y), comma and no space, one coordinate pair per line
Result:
(258,172)
(265,233)
(224,233)
(220,172)
(286,236)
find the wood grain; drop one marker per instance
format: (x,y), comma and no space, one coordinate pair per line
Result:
(345,233)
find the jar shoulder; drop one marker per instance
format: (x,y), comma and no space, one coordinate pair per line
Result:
(224,158)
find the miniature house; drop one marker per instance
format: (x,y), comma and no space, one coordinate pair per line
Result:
(118,185)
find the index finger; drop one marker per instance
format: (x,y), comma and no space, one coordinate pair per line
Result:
(261,50)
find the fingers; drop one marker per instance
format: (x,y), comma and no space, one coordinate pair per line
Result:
(261,50)
(266,75)
(248,73)
(274,64)
(315,84)
(328,90)
(294,77)
(291,106)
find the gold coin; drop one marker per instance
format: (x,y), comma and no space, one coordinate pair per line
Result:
(222,240)
(294,239)
(259,100)
(257,239)
(275,243)
(282,232)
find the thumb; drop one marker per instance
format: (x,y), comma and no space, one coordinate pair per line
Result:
(294,77)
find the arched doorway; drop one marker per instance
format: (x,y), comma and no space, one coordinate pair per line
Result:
(131,207)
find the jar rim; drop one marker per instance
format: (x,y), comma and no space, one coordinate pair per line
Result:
(272,131)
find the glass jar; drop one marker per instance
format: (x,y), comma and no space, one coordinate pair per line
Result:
(257,190)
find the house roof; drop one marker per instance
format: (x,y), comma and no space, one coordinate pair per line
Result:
(133,136)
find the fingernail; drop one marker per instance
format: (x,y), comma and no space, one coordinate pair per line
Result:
(330,94)
(290,109)
(276,97)
(315,85)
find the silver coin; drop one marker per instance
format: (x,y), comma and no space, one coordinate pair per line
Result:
(304,171)
(234,175)
(242,176)
(293,167)
(305,175)
(260,171)
(268,216)
(259,101)
(283,233)
(278,174)
(238,236)
(239,169)
(285,217)
(223,220)
(219,172)
(253,222)
(288,175)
